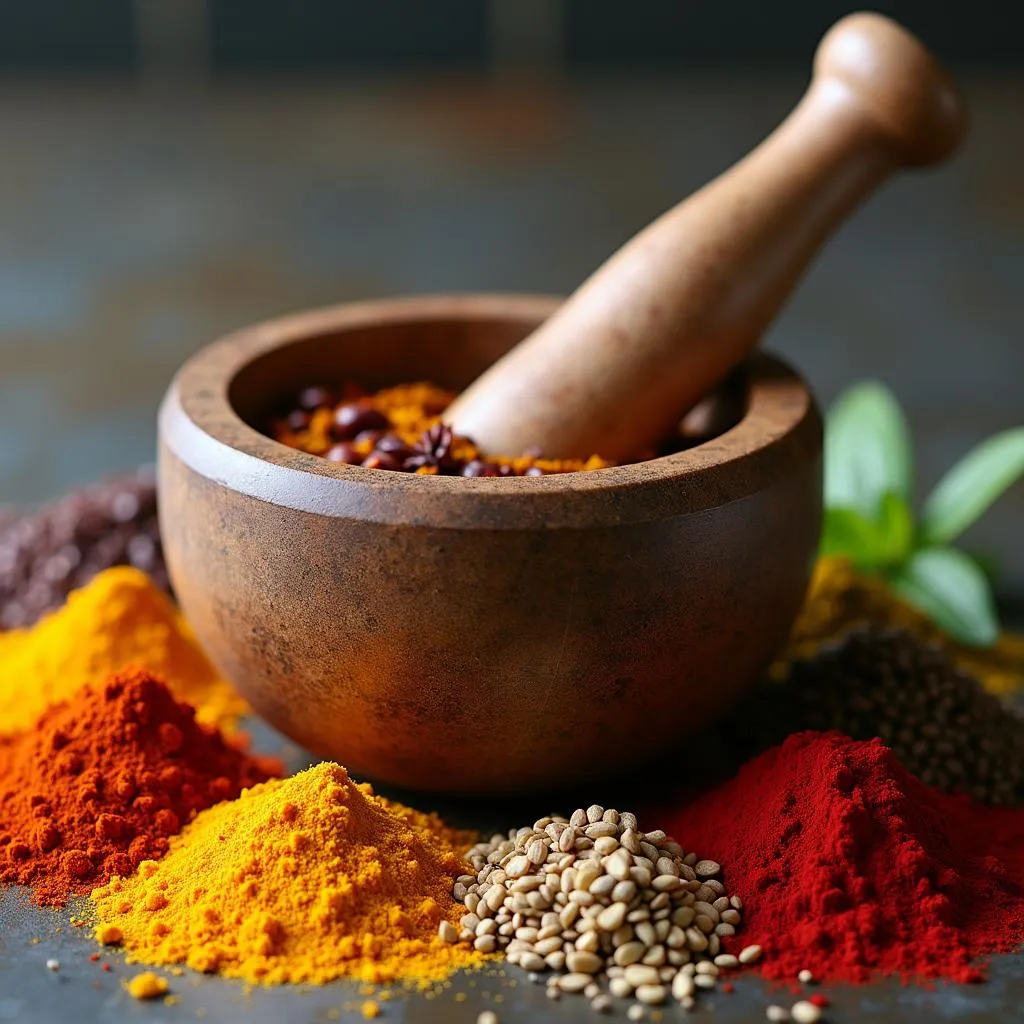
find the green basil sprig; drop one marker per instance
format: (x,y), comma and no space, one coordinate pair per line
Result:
(869,485)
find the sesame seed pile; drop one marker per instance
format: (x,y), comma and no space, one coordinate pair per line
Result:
(609,910)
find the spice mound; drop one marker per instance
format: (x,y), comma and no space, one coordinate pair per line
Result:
(119,619)
(941,724)
(597,900)
(853,867)
(103,780)
(842,599)
(303,880)
(46,554)
(400,429)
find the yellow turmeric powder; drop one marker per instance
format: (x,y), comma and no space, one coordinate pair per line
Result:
(146,985)
(842,598)
(303,880)
(119,619)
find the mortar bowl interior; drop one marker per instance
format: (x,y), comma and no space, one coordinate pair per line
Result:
(479,635)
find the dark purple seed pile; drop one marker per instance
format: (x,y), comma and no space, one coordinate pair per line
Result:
(8,515)
(47,553)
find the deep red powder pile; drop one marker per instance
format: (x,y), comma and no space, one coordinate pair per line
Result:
(850,867)
(102,781)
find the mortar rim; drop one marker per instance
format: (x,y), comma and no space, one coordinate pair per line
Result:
(200,426)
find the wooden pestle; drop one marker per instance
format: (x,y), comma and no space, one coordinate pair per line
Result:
(671,313)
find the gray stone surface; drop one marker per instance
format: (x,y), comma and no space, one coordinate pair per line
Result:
(81,991)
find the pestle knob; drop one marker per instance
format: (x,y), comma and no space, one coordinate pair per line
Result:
(672,312)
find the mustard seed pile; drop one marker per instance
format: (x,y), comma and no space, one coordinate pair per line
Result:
(611,910)
(939,721)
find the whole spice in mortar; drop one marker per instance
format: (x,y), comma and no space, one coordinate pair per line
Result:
(121,618)
(46,554)
(102,781)
(400,429)
(594,897)
(851,867)
(304,880)
(842,599)
(941,724)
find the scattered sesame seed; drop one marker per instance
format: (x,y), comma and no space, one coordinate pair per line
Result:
(805,1012)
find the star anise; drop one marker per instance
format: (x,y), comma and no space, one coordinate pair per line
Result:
(434,448)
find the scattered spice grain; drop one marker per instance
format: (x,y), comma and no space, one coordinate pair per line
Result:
(147,985)
(805,1012)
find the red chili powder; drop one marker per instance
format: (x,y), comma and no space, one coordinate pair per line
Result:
(851,867)
(102,781)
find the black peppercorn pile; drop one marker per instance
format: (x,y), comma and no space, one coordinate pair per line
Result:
(48,553)
(938,720)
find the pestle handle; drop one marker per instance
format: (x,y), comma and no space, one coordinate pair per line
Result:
(671,313)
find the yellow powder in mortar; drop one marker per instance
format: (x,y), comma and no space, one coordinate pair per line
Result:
(305,879)
(119,619)
(841,598)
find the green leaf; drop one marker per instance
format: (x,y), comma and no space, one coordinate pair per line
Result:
(867,449)
(972,485)
(896,526)
(952,591)
(879,543)
(848,533)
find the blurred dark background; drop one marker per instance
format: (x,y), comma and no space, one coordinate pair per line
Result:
(228,36)
(171,169)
